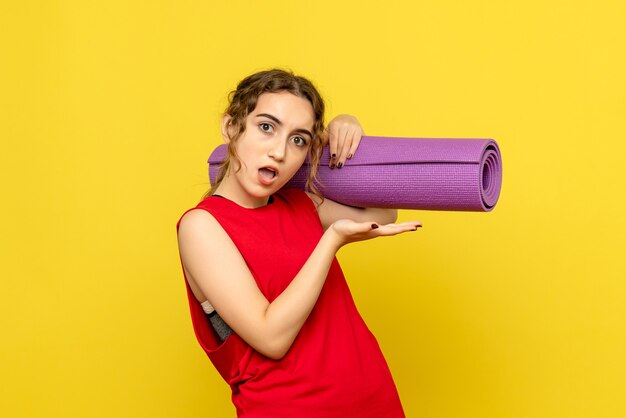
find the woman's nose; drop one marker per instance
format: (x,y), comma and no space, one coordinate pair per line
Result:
(278,149)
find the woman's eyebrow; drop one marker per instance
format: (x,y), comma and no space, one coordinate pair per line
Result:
(275,119)
(267,115)
(304,131)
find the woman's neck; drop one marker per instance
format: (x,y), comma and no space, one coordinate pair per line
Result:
(230,189)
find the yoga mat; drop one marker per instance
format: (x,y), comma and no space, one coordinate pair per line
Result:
(452,174)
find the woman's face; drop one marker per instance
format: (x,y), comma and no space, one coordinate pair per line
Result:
(272,149)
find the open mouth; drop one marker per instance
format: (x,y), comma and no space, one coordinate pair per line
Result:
(268,173)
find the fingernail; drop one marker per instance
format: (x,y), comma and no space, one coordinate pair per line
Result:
(334,155)
(374,226)
(339,165)
(332,166)
(349,156)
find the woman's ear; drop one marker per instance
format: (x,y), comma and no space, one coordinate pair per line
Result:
(226,127)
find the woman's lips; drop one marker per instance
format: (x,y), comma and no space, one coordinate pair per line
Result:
(267,175)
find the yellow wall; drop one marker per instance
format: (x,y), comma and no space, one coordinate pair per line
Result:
(110,109)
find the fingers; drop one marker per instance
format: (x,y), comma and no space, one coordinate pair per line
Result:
(331,135)
(344,149)
(366,230)
(343,144)
(349,227)
(395,229)
(344,136)
(355,144)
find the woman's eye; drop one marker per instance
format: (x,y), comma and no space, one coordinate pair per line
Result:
(265,127)
(299,141)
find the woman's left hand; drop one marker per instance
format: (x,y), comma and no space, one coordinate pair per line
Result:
(344,135)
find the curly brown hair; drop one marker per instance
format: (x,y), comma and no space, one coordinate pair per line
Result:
(243,100)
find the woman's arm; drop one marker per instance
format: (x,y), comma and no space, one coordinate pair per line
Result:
(330,211)
(344,135)
(215,265)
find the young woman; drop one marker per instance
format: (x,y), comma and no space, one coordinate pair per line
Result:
(268,300)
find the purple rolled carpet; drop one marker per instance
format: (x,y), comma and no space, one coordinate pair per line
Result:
(408,173)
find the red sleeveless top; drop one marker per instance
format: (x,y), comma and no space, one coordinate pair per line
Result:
(335,367)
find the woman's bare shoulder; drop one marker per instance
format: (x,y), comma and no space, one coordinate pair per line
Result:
(199,225)
(196,216)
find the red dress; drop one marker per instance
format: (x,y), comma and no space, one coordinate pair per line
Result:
(335,367)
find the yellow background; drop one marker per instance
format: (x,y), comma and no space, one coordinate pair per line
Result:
(110,109)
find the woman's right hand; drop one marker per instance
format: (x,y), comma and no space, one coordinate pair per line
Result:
(347,231)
